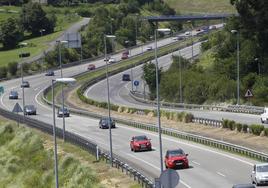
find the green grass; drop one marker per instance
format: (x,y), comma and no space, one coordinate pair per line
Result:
(26,160)
(38,44)
(201,6)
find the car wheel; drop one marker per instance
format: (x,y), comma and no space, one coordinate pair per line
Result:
(131,148)
(134,150)
(166,166)
(256,182)
(262,121)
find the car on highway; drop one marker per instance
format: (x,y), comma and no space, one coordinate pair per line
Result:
(124,56)
(187,33)
(149,48)
(244,186)
(140,143)
(112,60)
(91,67)
(65,112)
(259,174)
(177,38)
(176,158)
(13,95)
(50,73)
(264,116)
(125,77)
(104,123)
(126,52)
(29,110)
(25,84)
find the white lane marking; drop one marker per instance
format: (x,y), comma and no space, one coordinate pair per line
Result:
(194,146)
(188,186)
(221,174)
(36,99)
(196,163)
(2,96)
(35,89)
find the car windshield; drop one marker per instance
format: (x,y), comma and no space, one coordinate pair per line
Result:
(263,168)
(65,110)
(106,120)
(175,153)
(14,93)
(30,107)
(140,138)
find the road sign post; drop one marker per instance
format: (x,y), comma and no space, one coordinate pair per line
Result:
(136,84)
(17,109)
(169,178)
(249,95)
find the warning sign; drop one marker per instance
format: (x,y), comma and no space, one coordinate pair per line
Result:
(248,93)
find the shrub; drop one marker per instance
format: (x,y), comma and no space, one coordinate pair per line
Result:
(188,118)
(256,129)
(245,128)
(180,116)
(239,127)
(231,125)
(266,131)
(225,123)
(12,68)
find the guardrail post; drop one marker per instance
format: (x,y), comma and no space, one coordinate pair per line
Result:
(97,153)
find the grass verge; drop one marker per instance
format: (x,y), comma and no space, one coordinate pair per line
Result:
(26,160)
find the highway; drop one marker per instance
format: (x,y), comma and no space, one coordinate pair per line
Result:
(209,168)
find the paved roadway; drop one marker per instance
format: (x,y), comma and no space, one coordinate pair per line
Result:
(210,168)
(119,92)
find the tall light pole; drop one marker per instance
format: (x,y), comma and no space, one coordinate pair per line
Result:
(59,42)
(108,97)
(21,73)
(131,70)
(192,59)
(157,95)
(237,63)
(259,65)
(180,76)
(62,81)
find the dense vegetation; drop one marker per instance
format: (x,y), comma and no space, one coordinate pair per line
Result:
(216,82)
(26,163)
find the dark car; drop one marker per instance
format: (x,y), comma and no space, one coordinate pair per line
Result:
(91,67)
(104,123)
(50,73)
(25,84)
(243,186)
(65,112)
(176,158)
(124,56)
(29,110)
(13,95)
(140,143)
(126,77)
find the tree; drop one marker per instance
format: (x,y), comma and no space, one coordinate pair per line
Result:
(10,33)
(3,72)
(150,77)
(12,68)
(34,19)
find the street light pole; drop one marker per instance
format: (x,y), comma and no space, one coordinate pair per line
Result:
(259,66)
(62,81)
(237,62)
(180,76)
(108,98)
(54,138)
(62,93)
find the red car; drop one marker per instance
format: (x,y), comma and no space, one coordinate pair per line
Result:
(124,56)
(176,158)
(140,143)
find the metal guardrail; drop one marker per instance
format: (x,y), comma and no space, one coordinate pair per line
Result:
(86,144)
(184,135)
(230,108)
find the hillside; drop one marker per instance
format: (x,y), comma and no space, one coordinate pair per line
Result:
(26,160)
(201,6)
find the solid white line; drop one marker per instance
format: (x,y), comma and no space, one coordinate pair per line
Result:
(194,146)
(221,174)
(2,96)
(36,96)
(188,186)
(196,163)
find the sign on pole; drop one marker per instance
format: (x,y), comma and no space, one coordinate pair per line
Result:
(74,40)
(17,109)
(248,94)
(136,83)
(169,178)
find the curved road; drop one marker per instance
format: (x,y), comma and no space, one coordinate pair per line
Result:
(210,167)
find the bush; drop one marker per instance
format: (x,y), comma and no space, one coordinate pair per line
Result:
(266,131)
(225,123)
(180,116)
(231,125)
(12,68)
(256,129)
(245,128)
(188,118)
(3,72)
(239,127)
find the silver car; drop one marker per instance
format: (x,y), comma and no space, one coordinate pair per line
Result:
(259,174)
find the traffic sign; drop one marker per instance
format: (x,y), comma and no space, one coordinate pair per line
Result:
(249,93)
(17,108)
(169,178)
(136,83)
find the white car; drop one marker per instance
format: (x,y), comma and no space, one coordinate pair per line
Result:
(264,116)
(149,48)
(112,60)
(259,174)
